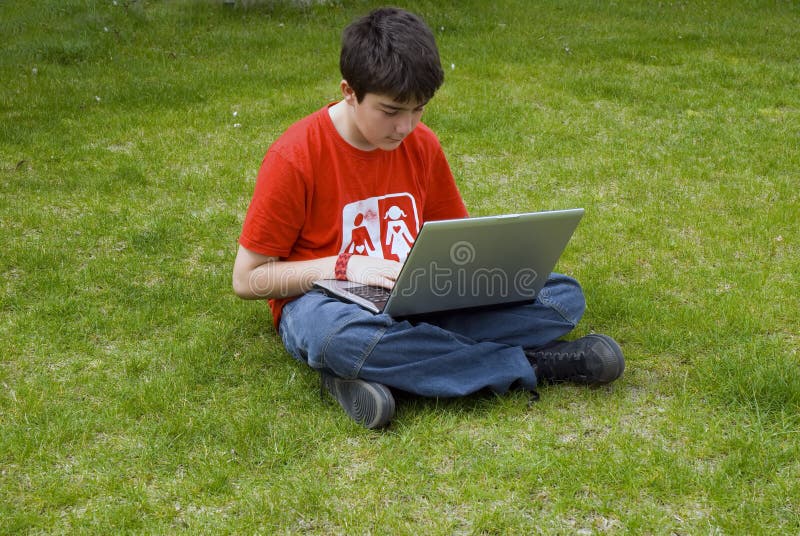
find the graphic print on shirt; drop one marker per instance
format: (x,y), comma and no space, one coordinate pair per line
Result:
(383,226)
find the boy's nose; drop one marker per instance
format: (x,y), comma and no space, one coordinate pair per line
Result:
(403,125)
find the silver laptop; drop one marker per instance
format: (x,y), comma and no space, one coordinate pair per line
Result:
(468,263)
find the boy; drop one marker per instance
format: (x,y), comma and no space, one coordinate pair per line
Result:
(342,193)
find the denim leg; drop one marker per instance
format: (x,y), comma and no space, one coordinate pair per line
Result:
(419,357)
(556,311)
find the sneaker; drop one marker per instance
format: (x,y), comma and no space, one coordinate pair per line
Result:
(368,403)
(591,360)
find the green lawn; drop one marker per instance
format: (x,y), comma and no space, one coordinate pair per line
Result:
(139,395)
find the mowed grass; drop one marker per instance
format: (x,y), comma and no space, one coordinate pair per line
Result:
(138,395)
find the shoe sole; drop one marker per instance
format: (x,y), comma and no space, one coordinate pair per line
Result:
(369,404)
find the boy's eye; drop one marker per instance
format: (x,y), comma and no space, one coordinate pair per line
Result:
(390,113)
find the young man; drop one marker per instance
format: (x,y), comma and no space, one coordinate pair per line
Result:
(342,194)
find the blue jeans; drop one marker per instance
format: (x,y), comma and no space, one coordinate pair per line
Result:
(441,355)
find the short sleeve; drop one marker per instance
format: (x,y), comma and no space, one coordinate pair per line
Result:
(443,200)
(277,210)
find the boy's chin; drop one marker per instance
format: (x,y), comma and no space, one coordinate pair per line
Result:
(390,145)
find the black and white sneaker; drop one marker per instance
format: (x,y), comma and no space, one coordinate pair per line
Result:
(591,360)
(368,403)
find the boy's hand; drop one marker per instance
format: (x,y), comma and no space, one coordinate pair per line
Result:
(373,271)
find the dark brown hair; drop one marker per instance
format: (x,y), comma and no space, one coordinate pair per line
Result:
(392,52)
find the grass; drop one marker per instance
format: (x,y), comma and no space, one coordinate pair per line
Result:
(138,395)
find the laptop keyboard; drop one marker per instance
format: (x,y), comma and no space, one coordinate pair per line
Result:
(376,295)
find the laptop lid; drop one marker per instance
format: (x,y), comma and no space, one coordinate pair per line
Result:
(476,262)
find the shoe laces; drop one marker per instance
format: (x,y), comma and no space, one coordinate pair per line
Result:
(565,364)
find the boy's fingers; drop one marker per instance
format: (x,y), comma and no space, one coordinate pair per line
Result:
(381,282)
(378,279)
(371,271)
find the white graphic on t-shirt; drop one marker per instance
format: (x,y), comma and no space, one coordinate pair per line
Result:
(398,237)
(360,241)
(383,226)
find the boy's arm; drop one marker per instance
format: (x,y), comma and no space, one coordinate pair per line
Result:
(257,276)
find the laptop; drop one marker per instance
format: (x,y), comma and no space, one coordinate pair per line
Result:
(469,263)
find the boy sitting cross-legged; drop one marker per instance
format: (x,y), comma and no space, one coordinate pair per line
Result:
(324,197)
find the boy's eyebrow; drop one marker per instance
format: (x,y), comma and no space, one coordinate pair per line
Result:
(401,108)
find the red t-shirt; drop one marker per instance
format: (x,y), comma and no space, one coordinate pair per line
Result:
(317,196)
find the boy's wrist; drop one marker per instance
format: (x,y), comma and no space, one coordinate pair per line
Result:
(340,269)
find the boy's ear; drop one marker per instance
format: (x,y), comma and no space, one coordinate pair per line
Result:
(348,93)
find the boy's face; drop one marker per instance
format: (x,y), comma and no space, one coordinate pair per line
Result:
(380,122)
